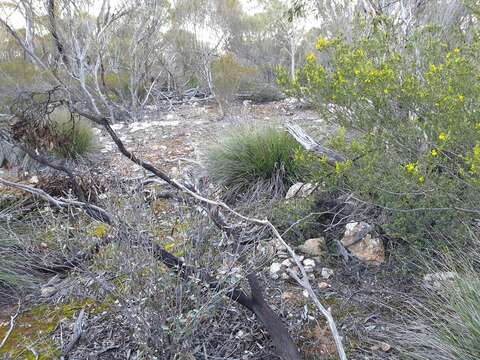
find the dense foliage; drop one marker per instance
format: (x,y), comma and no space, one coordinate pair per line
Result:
(409,123)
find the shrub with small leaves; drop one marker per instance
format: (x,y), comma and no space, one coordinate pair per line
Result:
(409,119)
(227,74)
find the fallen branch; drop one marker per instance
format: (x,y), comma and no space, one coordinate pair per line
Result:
(255,302)
(93,211)
(286,349)
(77,334)
(10,328)
(311,145)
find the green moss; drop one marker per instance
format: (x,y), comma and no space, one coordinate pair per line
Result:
(33,328)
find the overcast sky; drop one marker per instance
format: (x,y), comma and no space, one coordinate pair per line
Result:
(15,17)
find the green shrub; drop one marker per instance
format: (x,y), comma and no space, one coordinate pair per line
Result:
(409,123)
(73,136)
(227,74)
(254,86)
(252,157)
(294,220)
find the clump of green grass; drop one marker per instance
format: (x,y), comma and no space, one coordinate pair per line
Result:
(252,157)
(73,135)
(15,272)
(447,323)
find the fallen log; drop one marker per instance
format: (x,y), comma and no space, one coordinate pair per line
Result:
(311,145)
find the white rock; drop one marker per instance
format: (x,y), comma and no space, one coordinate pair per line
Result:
(323,285)
(47,291)
(360,242)
(309,263)
(275,269)
(287,263)
(308,269)
(300,190)
(285,276)
(327,273)
(117,126)
(312,247)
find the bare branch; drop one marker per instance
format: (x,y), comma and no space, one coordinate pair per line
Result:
(77,333)
(10,328)
(311,145)
(93,211)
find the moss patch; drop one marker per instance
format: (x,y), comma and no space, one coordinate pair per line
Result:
(33,329)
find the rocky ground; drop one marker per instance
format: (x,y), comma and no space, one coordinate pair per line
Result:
(363,293)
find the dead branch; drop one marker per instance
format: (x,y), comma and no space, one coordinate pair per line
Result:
(93,211)
(77,334)
(218,219)
(285,347)
(256,303)
(10,328)
(311,145)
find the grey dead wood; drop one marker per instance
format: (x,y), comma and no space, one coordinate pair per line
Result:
(77,334)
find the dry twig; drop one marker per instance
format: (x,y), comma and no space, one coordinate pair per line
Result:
(10,328)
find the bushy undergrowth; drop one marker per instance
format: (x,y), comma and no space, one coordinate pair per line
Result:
(227,74)
(446,322)
(256,157)
(73,136)
(409,125)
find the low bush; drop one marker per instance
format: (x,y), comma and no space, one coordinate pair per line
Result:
(73,136)
(251,158)
(257,89)
(227,74)
(408,119)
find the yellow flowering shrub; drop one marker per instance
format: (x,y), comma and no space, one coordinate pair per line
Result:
(412,117)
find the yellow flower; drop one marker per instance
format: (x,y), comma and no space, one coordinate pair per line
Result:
(476,151)
(410,167)
(421,179)
(434,152)
(310,58)
(442,136)
(100,231)
(461,98)
(456,51)
(338,167)
(322,43)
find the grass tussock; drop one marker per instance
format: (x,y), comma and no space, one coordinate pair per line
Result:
(15,271)
(446,321)
(251,157)
(73,135)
